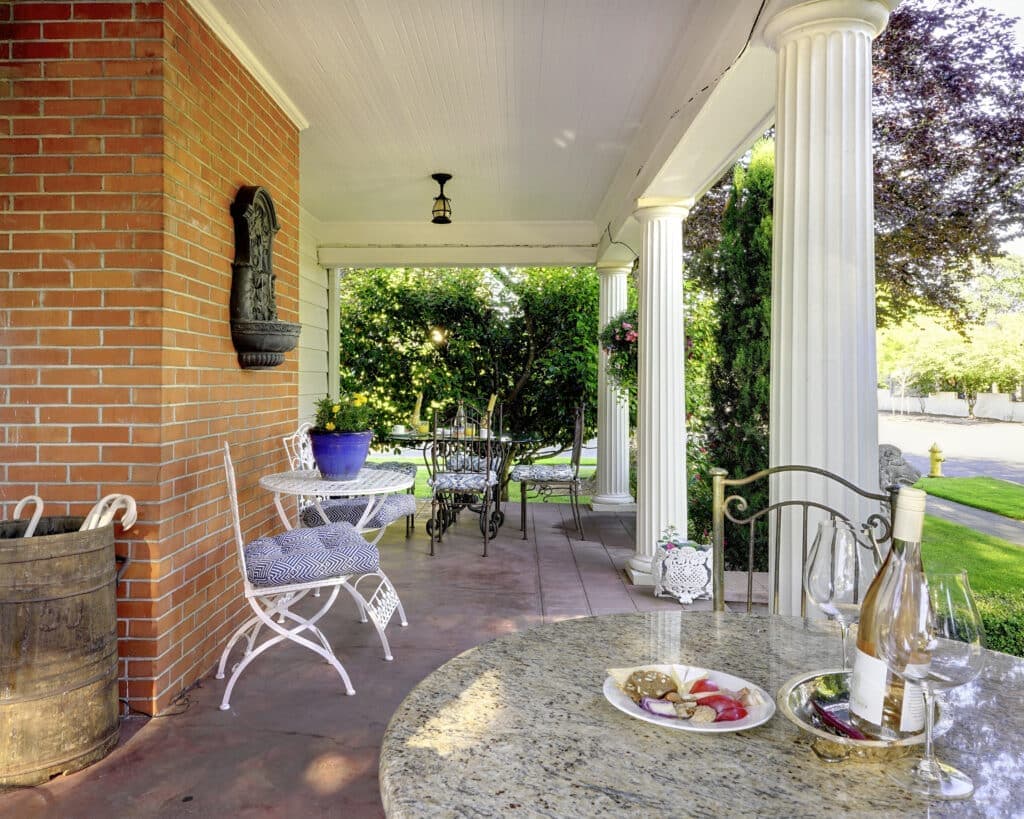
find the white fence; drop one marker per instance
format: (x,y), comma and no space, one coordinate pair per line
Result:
(998,406)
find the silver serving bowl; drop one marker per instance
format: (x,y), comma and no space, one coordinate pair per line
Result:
(832,687)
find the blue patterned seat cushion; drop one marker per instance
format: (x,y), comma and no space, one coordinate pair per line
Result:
(308,555)
(532,472)
(405,467)
(463,481)
(351,509)
(465,462)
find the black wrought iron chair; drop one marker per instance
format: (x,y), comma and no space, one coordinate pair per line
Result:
(462,473)
(824,495)
(554,479)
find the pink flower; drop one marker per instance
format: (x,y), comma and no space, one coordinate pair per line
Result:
(627,326)
(631,336)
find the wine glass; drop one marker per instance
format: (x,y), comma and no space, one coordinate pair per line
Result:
(934,639)
(834,578)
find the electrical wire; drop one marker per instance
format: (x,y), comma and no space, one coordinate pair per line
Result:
(674,114)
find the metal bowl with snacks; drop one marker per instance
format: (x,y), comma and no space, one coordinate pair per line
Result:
(831,690)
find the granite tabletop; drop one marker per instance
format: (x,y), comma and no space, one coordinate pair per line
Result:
(520,726)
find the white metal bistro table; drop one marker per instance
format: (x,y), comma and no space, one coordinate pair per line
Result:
(373,484)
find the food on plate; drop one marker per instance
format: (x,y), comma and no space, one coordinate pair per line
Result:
(660,708)
(648,683)
(681,692)
(726,708)
(704,713)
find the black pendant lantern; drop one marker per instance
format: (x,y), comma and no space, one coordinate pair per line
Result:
(442,204)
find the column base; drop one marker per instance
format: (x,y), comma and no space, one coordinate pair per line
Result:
(612,503)
(639,572)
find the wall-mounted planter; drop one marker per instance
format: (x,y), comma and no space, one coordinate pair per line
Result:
(262,344)
(259,338)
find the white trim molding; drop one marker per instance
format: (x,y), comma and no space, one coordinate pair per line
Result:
(227,35)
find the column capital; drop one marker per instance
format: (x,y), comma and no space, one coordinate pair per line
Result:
(648,208)
(825,16)
(613,268)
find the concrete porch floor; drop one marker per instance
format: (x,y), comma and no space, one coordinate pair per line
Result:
(293,744)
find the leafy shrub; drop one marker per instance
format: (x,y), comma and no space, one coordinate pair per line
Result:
(698,489)
(440,335)
(1003,616)
(349,413)
(737,272)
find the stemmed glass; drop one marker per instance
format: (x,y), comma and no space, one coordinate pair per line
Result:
(934,639)
(834,576)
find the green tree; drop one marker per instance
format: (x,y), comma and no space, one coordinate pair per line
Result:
(738,273)
(550,364)
(996,287)
(527,335)
(928,357)
(948,110)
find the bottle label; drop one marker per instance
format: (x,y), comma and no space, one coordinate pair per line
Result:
(867,687)
(912,712)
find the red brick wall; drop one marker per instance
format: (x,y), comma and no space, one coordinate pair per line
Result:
(127,129)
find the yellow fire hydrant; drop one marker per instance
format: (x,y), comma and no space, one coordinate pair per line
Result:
(936,461)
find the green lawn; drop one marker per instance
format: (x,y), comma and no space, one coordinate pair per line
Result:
(992,495)
(423,491)
(992,564)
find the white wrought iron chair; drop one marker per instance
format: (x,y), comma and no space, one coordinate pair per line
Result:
(462,474)
(277,572)
(391,508)
(554,479)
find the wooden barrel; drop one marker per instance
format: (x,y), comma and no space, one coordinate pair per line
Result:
(58,649)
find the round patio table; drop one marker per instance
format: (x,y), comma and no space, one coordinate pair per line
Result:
(504,448)
(372,484)
(520,726)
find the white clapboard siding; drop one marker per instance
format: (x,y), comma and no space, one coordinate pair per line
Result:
(313,298)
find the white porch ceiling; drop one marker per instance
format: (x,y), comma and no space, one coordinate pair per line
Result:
(554,116)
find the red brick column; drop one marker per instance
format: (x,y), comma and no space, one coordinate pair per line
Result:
(126,130)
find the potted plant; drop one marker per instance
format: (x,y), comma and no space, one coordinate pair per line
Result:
(341,436)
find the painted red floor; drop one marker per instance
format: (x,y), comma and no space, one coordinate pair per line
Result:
(293,744)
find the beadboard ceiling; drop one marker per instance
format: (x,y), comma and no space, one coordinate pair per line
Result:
(542,110)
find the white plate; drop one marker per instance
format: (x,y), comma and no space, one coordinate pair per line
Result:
(756,715)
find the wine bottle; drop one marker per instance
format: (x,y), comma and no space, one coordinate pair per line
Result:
(881,703)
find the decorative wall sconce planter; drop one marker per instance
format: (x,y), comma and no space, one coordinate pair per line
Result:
(259,338)
(261,345)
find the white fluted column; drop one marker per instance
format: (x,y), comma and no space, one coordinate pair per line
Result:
(823,372)
(661,412)
(612,407)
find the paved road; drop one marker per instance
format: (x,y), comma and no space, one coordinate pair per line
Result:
(971,447)
(980,447)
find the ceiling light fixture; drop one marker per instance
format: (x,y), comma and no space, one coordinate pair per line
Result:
(442,210)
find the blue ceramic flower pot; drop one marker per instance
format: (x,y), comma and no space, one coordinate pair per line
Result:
(340,455)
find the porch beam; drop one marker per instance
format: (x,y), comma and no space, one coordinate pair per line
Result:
(484,244)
